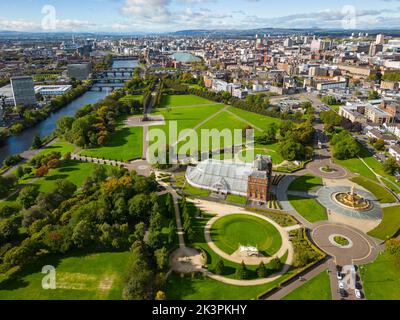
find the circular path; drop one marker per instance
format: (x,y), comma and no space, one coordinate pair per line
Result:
(238,258)
(325,198)
(361,251)
(316,168)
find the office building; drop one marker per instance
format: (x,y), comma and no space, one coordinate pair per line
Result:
(80,71)
(23,91)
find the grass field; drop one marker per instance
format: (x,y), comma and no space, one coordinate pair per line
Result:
(236,199)
(307,182)
(377,190)
(180,182)
(95,276)
(231,231)
(381,278)
(183,100)
(71,170)
(356,166)
(318,288)
(309,208)
(258,120)
(128,97)
(390,224)
(126,144)
(199,288)
(58,146)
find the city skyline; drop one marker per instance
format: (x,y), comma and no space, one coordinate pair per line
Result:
(174,15)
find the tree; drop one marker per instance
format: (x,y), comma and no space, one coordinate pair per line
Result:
(161,256)
(241,271)
(42,171)
(27,196)
(379,145)
(171,232)
(82,234)
(99,174)
(391,166)
(20,172)
(373,95)
(170,206)
(139,278)
(261,270)
(219,268)
(37,142)
(275,264)
(291,150)
(161,295)
(65,188)
(139,232)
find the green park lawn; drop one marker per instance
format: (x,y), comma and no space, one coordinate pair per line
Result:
(231,231)
(236,199)
(200,288)
(183,100)
(377,190)
(58,146)
(307,182)
(128,97)
(95,276)
(309,208)
(71,170)
(318,288)
(180,182)
(356,166)
(381,278)
(268,149)
(390,224)
(256,119)
(126,144)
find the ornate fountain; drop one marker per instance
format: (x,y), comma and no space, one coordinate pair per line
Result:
(352,200)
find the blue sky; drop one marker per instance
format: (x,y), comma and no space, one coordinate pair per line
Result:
(171,15)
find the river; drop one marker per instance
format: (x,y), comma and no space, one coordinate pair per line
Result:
(20,143)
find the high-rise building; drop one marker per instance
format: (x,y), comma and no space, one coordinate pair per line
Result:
(79,71)
(288,43)
(380,39)
(23,91)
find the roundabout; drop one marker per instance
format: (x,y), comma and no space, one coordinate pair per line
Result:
(359,249)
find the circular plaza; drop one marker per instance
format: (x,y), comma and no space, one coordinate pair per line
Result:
(248,238)
(330,197)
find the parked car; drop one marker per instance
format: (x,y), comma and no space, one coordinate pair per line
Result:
(341,285)
(358,294)
(343,293)
(358,286)
(339,268)
(339,275)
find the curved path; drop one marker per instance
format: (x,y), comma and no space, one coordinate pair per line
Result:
(363,250)
(223,210)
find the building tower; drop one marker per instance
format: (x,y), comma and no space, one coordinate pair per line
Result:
(259,181)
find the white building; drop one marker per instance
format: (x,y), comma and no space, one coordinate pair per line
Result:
(395,152)
(50,90)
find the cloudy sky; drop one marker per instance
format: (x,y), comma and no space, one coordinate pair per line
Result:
(172,15)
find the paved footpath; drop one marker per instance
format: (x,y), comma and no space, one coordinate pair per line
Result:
(300,281)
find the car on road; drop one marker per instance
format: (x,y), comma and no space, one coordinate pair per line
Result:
(358,294)
(343,293)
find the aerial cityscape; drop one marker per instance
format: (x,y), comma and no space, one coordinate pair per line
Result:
(199,150)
